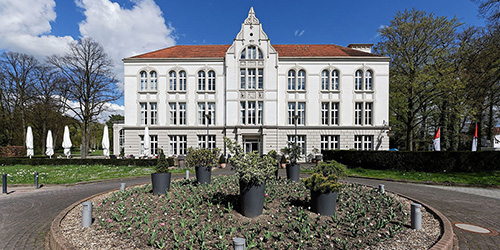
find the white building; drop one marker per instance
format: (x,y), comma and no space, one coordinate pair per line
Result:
(253,91)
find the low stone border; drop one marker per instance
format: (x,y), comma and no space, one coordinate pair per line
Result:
(56,241)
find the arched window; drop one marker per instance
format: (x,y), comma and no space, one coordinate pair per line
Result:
(172,80)
(182,80)
(301,80)
(325,83)
(251,52)
(211,80)
(291,79)
(358,80)
(335,80)
(153,80)
(368,80)
(144,80)
(201,81)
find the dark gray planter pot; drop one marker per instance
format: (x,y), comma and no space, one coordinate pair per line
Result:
(324,203)
(203,174)
(160,182)
(293,172)
(252,199)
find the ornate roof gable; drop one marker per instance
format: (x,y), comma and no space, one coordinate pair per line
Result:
(251,19)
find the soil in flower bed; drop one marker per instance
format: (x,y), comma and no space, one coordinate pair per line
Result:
(194,216)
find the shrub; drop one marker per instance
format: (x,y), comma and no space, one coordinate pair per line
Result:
(293,151)
(12,151)
(76,161)
(323,184)
(250,167)
(202,157)
(222,159)
(331,168)
(162,163)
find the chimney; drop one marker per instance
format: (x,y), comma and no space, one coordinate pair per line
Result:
(365,47)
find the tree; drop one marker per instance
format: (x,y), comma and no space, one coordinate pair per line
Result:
(90,82)
(17,92)
(490,9)
(419,45)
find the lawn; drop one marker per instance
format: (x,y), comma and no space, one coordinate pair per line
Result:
(24,174)
(481,178)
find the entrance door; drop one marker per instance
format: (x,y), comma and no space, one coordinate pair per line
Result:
(251,145)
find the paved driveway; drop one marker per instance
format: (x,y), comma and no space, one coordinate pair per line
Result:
(26,214)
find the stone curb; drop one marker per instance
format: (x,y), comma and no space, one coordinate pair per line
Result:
(55,240)
(446,184)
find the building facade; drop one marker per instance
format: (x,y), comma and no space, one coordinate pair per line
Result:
(259,94)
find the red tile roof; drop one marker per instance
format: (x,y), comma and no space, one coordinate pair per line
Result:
(287,50)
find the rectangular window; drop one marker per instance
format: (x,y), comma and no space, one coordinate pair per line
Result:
(363,142)
(358,113)
(154,112)
(144,113)
(243,78)
(173,113)
(121,140)
(173,144)
(261,79)
(201,113)
(334,110)
(243,112)
(330,142)
(178,144)
(203,109)
(358,142)
(324,113)
(368,113)
(301,112)
(301,142)
(182,139)
(260,112)
(182,113)
(251,79)
(202,143)
(291,113)
(154,144)
(251,112)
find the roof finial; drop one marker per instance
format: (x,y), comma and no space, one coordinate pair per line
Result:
(251,19)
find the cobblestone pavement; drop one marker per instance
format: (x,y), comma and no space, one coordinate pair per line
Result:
(26,213)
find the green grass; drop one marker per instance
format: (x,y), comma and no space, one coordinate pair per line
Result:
(481,178)
(62,174)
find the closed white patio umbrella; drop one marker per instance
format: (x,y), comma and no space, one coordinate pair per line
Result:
(146,151)
(29,143)
(66,144)
(105,141)
(49,145)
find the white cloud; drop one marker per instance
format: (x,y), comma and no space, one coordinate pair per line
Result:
(299,33)
(109,109)
(125,32)
(26,26)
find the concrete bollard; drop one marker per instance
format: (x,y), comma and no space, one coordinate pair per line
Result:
(239,243)
(122,187)
(4,183)
(87,214)
(187,174)
(36,180)
(416,216)
(381,188)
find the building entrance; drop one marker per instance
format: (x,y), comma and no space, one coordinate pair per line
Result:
(251,145)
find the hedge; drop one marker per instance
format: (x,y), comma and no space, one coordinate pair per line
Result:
(75,161)
(467,161)
(12,151)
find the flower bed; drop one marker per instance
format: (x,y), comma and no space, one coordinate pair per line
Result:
(206,216)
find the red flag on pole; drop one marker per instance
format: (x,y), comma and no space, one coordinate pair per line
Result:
(474,140)
(437,140)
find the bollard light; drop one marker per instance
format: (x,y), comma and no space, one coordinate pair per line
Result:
(36,180)
(86,214)
(416,216)
(239,243)
(122,187)
(381,188)
(187,174)
(4,183)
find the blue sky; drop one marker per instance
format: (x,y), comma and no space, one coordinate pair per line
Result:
(129,27)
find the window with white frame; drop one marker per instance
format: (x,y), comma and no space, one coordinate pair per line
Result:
(202,142)
(363,80)
(144,81)
(182,81)
(206,80)
(251,52)
(330,142)
(363,113)
(172,81)
(251,78)
(178,144)
(329,113)
(144,113)
(211,81)
(177,113)
(330,80)
(154,144)
(301,142)
(154,113)
(153,80)
(299,109)
(363,142)
(201,81)
(296,81)
(205,108)
(251,112)
(121,140)
(177,81)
